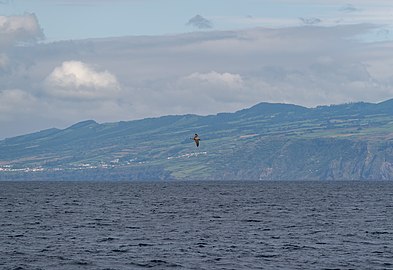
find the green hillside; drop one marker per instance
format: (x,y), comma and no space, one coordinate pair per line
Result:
(266,141)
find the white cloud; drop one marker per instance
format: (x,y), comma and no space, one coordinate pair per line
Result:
(15,29)
(15,102)
(19,113)
(218,71)
(202,73)
(215,79)
(213,89)
(321,84)
(77,80)
(198,93)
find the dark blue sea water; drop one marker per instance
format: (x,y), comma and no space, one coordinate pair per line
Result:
(196,225)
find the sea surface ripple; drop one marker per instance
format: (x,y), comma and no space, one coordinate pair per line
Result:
(196,225)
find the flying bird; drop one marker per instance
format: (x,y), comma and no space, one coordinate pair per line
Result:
(196,140)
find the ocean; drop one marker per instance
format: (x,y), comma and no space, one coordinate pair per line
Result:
(196,225)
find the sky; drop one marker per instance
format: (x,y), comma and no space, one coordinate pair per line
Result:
(65,61)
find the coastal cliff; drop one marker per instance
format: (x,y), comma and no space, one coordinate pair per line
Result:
(265,142)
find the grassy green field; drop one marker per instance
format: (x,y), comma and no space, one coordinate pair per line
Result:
(255,142)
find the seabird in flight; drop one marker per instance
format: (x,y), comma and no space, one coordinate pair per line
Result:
(196,139)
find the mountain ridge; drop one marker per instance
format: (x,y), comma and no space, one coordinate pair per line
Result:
(266,135)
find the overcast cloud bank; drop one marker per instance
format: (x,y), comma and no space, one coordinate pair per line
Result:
(58,84)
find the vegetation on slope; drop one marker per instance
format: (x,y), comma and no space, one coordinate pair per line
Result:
(266,141)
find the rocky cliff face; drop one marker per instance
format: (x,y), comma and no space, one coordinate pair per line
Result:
(311,159)
(264,142)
